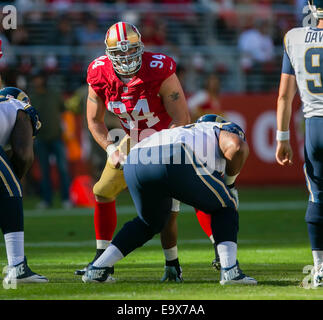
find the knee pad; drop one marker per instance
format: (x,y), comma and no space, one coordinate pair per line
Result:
(314,213)
(11,215)
(225,225)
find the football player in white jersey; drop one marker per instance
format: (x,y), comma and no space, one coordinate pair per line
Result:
(19,124)
(187,163)
(303,70)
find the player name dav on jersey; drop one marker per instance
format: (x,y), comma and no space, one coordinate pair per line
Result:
(314,36)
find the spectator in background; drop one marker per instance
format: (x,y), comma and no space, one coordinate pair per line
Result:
(90,34)
(206,101)
(153,32)
(19,36)
(256,55)
(50,105)
(64,33)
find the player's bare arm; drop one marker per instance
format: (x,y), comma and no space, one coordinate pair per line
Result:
(174,101)
(234,150)
(95,112)
(95,118)
(21,141)
(287,91)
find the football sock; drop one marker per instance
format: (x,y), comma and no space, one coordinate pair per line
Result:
(205,222)
(216,250)
(109,257)
(98,254)
(105,222)
(170,254)
(317,257)
(225,225)
(14,247)
(228,254)
(212,239)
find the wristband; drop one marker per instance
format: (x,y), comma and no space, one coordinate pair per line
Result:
(111,148)
(229,180)
(282,135)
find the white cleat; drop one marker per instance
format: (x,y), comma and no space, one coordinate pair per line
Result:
(318,276)
(21,273)
(234,275)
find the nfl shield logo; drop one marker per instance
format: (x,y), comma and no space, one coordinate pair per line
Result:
(125,89)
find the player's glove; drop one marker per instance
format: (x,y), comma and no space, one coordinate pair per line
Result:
(111,149)
(172,273)
(235,194)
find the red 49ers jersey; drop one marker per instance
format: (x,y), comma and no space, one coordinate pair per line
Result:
(136,103)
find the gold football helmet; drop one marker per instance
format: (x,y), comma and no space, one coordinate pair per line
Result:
(124,48)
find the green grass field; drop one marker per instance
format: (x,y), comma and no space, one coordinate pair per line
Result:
(273,248)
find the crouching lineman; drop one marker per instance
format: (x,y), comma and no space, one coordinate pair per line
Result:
(19,124)
(172,164)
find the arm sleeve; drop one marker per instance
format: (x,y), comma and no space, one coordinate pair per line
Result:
(287,66)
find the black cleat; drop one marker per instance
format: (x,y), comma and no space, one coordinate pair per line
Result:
(81,272)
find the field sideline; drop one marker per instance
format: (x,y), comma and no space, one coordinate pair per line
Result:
(273,248)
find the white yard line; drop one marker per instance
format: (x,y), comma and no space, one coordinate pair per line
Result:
(151,243)
(121,210)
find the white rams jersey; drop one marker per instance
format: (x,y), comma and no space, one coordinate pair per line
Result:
(304,49)
(8,115)
(201,138)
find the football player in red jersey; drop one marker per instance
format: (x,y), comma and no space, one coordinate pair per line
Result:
(142,89)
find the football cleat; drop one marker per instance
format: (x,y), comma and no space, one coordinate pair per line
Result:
(172,273)
(318,277)
(21,273)
(97,274)
(81,272)
(234,275)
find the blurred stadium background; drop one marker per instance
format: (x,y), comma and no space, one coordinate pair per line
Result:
(228,56)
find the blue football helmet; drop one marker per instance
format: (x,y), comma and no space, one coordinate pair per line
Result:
(223,124)
(16,93)
(12,92)
(316,6)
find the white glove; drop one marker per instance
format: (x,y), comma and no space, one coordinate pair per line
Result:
(111,148)
(235,194)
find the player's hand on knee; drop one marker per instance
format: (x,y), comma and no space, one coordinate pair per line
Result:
(235,194)
(117,159)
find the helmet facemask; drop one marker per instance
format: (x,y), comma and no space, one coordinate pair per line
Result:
(125,63)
